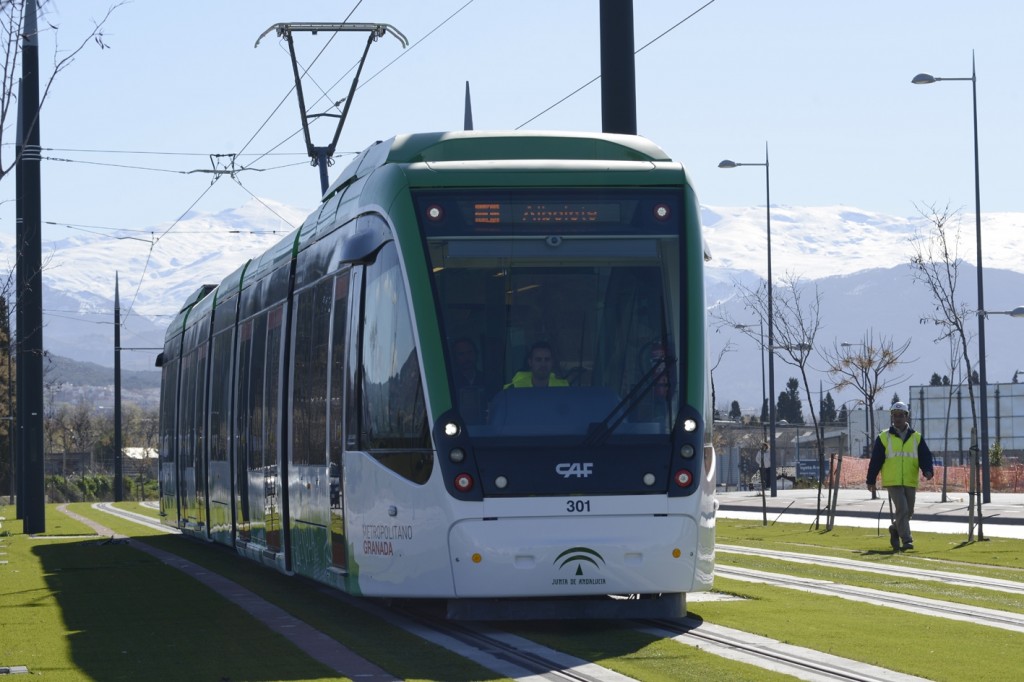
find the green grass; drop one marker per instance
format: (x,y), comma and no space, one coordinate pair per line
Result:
(640,655)
(995,558)
(88,609)
(75,608)
(930,589)
(935,648)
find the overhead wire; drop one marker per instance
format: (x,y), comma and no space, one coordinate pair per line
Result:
(635,52)
(156,240)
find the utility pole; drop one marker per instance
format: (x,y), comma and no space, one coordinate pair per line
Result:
(118,450)
(30,282)
(618,68)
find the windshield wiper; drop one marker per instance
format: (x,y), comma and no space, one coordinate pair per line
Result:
(599,431)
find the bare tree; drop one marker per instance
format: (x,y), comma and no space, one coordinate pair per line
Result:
(797,320)
(865,366)
(727,348)
(12,19)
(936,264)
(796,316)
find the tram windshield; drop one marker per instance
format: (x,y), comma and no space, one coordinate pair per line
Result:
(558,308)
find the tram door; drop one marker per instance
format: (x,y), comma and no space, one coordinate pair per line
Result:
(191,474)
(314,481)
(336,420)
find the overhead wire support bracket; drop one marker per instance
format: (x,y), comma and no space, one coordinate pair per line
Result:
(323,156)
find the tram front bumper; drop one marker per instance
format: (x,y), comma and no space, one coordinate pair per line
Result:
(552,556)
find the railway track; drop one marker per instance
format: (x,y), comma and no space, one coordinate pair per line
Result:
(944,577)
(770,654)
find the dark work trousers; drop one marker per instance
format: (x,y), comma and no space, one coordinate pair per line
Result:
(902,498)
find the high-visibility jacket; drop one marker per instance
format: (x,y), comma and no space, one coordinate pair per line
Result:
(525,380)
(901,463)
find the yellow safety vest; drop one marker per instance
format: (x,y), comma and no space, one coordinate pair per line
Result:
(901,465)
(525,380)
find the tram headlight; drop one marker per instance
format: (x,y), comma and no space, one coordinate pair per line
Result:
(457,455)
(689,425)
(683,478)
(662,212)
(463,483)
(649,479)
(501,482)
(686,451)
(451,429)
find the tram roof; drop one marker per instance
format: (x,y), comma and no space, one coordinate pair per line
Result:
(475,145)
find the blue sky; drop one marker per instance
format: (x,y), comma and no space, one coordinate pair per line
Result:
(825,83)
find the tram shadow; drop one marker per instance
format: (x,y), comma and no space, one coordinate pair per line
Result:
(593,640)
(126,615)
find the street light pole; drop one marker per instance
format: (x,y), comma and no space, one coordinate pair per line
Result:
(771,326)
(925,79)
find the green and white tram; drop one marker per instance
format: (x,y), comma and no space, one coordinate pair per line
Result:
(477,373)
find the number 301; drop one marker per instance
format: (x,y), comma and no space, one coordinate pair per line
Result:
(577,506)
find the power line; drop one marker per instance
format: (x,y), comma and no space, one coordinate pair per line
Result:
(636,52)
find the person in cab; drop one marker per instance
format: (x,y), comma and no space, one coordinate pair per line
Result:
(540,363)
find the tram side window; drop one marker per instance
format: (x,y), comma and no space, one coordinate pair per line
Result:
(255,412)
(394,416)
(168,384)
(220,396)
(186,412)
(312,332)
(244,448)
(338,355)
(272,390)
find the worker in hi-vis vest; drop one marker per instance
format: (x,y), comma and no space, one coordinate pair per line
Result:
(899,453)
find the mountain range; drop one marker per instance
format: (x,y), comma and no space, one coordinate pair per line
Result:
(858,260)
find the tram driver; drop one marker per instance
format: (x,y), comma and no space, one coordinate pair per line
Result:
(540,362)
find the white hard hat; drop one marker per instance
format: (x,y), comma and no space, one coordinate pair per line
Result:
(899,407)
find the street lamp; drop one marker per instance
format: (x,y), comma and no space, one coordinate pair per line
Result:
(1016,312)
(771,327)
(925,79)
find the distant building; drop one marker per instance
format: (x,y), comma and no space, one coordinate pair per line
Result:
(943,415)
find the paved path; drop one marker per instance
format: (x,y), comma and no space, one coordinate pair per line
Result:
(1003,517)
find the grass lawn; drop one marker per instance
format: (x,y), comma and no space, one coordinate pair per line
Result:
(80,607)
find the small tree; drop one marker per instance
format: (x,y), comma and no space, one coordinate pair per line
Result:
(790,408)
(864,366)
(827,410)
(936,264)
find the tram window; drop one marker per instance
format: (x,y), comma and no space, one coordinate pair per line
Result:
(273,385)
(167,409)
(312,330)
(256,410)
(605,319)
(220,396)
(338,362)
(394,416)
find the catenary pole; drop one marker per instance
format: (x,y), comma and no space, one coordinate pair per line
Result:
(30,301)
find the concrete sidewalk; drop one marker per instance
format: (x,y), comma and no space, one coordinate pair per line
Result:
(1003,517)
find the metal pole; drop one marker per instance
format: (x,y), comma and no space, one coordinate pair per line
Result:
(118,449)
(618,68)
(771,327)
(982,380)
(30,301)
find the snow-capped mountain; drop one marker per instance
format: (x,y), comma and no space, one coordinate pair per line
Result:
(858,259)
